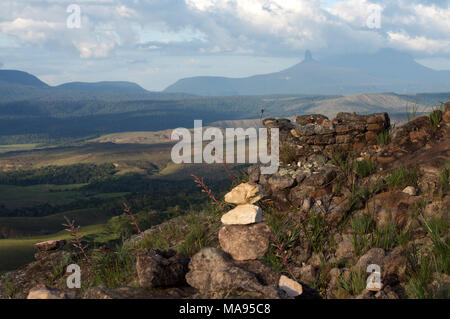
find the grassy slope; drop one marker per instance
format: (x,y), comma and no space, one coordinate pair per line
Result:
(19,251)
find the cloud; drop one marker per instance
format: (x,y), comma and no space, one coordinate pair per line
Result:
(240,27)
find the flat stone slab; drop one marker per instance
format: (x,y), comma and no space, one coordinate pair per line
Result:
(243,215)
(50,245)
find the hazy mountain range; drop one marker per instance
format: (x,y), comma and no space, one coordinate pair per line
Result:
(385,71)
(33,111)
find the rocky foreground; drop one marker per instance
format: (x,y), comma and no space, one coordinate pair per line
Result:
(351,192)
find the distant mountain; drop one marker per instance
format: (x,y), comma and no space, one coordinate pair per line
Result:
(128,87)
(385,71)
(19,86)
(21,78)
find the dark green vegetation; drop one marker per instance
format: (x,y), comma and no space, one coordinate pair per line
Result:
(58,175)
(32,112)
(89,182)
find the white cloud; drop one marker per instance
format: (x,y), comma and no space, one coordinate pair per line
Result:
(29,30)
(401,40)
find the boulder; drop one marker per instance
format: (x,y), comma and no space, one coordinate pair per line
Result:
(373,256)
(245,242)
(161,268)
(243,215)
(392,207)
(212,270)
(245,193)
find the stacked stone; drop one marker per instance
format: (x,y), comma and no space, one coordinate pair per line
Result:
(244,236)
(356,131)
(316,133)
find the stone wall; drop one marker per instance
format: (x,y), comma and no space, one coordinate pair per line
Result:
(315,133)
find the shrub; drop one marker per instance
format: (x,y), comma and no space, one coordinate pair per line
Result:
(316,231)
(352,285)
(364,168)
(362,225)
(112,268)
(390,236)
(436,260)
(435,116)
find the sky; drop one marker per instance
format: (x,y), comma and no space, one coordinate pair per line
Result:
(156,42)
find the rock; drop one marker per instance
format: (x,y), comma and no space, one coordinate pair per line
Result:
(278,182)
(345,249)
(245,242)
(440,286)
(254,174)
(291,287)
(245,193)
(366,294)
(373,256)
(317,119)
(44,292)
(393,269)
(446,115)
(322,179)
(413,135)
(212,270)
(161,268)
(50,245)
(264,274)
(243,215)
(306,274)
(306,206)
(126,292)
(386,293)
(392,207)
(298,194)
(410,190)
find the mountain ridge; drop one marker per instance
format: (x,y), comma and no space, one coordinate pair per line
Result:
(385,71)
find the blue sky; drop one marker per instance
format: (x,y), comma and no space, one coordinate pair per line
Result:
(156,42)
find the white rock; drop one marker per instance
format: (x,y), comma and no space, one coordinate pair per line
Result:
(306,204)
(243,215)
(245,193)
(410,190)
(291,287)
